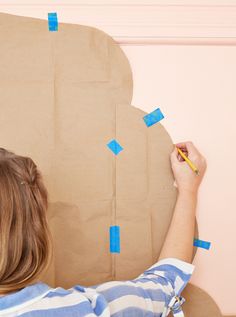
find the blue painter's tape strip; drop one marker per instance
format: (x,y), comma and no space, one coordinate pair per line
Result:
(114,146)
(153,117)
(202,244)
(52,21)
(115,239)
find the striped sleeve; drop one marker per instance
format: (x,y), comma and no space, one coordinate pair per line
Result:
(173,274)
(150,293)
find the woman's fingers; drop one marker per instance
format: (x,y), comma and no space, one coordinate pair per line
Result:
(180,157)
(183,148)
(188,148)
(175,156)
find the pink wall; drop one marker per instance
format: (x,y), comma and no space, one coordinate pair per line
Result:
(195,87)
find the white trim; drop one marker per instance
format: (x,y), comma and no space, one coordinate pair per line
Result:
(120,2)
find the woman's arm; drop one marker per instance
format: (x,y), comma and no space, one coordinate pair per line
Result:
(179,239)
(157,289)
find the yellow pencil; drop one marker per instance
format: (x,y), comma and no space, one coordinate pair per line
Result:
(190,163)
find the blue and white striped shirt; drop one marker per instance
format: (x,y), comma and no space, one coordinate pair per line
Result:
(152,294)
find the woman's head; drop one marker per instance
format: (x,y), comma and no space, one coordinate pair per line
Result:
(25,243)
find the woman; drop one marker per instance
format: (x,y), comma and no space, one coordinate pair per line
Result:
(25,251)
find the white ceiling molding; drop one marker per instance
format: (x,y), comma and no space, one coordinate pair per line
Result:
(118,2)
(145,24)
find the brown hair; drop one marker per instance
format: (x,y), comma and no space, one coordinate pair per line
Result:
(25,240)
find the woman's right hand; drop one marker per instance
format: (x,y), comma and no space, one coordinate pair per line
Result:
(186,179)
